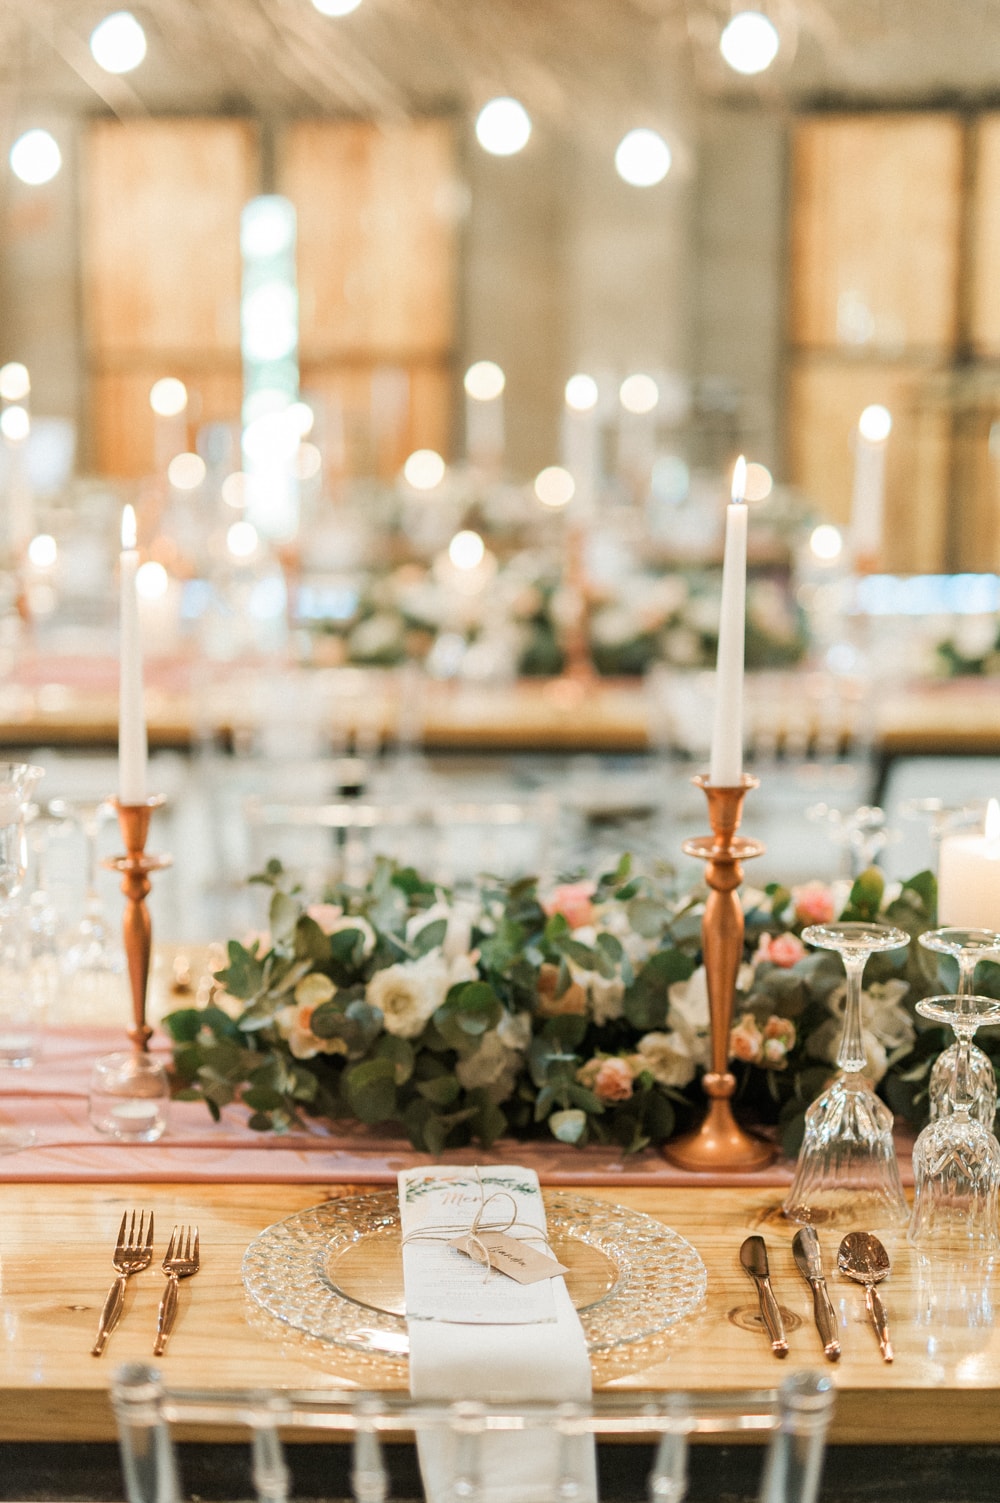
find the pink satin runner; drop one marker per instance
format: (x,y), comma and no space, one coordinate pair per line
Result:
(51,1098)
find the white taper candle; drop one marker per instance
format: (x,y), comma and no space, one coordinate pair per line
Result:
(132,750)
(726,766)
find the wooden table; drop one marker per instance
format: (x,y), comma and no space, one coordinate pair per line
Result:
(73,701)
(55,1243)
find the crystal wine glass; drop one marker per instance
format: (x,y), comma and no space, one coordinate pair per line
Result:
(17,782)
(956,1160)
(968,946)
(93,959)
(847,1170)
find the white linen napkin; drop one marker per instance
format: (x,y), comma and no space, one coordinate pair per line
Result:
(489,1338)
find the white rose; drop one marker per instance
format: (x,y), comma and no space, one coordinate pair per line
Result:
(514,1030)
(607,999)
(353,921)
(667,1057)
(460,917)
(493,1067)
(408,994)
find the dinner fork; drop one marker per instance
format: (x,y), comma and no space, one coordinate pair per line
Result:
(180,1262)
(133,1252)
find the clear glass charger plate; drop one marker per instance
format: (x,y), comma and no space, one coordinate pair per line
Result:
(335,1271)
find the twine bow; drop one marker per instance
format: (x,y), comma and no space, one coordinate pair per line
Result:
(481,1223)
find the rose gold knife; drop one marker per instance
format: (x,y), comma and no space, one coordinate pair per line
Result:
(753,1256)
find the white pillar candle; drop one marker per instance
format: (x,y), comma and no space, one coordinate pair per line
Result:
(868,494)
(131,718)
(969,876)
(726,766)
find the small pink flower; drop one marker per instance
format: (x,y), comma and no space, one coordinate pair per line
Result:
(746,1041)
(572,900)
(781,949)
(325,915)
(813,903)
(613,1081)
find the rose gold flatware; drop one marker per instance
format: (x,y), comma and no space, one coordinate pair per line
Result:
(753,1256)
(863,1259)
(133,1252)
(809,1261)
(182,1259)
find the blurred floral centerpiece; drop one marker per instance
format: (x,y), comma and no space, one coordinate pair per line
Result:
(581,1012)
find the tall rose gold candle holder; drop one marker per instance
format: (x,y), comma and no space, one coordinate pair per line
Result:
(720,1143)
(135,867)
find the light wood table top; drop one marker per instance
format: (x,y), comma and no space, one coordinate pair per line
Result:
(943,1386)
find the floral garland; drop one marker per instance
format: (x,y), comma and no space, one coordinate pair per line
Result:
(581,1012)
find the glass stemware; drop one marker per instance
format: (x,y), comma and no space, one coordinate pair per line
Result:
(847,1170)
(93,958)
(17,782)
(956,1160)
(968,946)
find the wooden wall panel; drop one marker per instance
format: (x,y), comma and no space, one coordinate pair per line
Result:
(984,297)
(123,426)
(355,440)
(876,232)
(377,258)
(161,247)
(826,396)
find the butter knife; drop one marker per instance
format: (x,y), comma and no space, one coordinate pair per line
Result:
(753,1256)
(809,1261)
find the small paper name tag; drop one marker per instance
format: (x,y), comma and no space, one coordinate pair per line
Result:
(510,1256)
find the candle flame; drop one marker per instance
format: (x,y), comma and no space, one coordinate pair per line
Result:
(993,822)
(739,489)
(128,527)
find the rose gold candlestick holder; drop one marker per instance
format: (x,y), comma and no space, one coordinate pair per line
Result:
(720,1143)
(135,867)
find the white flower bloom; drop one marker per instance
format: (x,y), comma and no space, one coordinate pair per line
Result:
(408,994)
(681,646)
(294,1025)
(514,1030)
(689,999)
(460,915)
(353,921)
(493,1067)
(667,1057)
(607,998)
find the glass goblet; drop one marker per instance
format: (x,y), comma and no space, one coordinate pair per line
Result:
(956,1160)
(847,1170)
(968,946)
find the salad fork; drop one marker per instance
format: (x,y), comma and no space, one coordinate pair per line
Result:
(180,1262)
(133,1252)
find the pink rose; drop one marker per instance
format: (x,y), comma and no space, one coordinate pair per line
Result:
(781,949)
(781,1029)
(572,900)
(746,1041)
(613,1081)
(325,915)
(813,903)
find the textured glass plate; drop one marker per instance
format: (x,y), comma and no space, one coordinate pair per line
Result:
(335,1271)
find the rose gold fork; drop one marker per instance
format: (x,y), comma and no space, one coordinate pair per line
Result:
(133,1252)
(180,1262)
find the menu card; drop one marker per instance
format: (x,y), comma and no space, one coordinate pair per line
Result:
(440,1205)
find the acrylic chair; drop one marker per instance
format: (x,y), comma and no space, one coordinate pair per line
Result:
(795,1418)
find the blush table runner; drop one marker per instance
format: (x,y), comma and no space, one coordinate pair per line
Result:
(51,1098)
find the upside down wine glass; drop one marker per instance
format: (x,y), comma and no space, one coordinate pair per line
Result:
(17,782)
(968,946)
(847,1170)
(956,1160)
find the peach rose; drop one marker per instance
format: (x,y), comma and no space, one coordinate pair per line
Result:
(613,1081)
(572,1001)
(572,900)
(784,950)
(813,903)
(746,1040)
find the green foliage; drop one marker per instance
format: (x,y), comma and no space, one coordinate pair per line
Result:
(542,1028)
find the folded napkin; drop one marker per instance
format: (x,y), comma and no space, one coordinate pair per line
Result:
(479,1335)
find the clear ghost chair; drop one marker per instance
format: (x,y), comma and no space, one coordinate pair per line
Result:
(794,1418)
